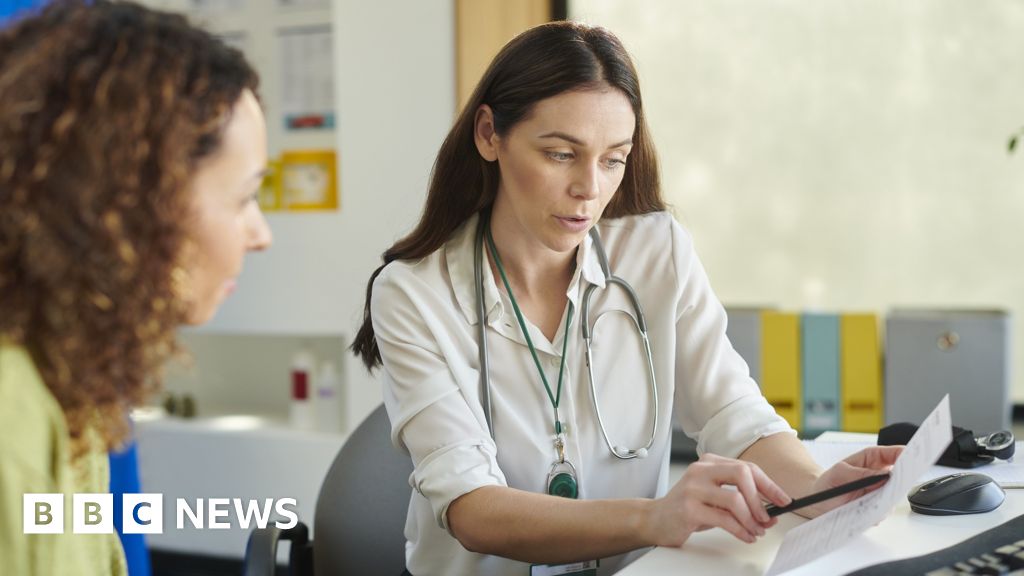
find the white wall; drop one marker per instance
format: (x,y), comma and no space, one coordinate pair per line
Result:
(396,62)
(840,154)
(395,79)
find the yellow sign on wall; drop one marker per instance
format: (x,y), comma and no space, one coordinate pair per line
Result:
(301,181)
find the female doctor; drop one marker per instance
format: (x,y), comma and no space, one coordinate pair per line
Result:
(516,373)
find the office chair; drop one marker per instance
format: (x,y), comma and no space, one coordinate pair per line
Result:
(360,513)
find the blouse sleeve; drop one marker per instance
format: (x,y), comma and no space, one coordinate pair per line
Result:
(424,378)
(717,402)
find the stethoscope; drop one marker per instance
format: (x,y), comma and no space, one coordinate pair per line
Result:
(563,472)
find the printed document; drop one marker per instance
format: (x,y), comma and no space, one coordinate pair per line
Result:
(835,528)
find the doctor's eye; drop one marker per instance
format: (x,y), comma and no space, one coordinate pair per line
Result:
(560,156)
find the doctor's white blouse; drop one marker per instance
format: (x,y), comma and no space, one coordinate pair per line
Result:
(425,320)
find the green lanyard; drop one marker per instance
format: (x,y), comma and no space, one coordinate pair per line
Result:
(557,396)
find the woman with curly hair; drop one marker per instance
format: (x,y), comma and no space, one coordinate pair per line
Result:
(132,147)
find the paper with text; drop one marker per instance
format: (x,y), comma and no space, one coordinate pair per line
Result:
(831,530)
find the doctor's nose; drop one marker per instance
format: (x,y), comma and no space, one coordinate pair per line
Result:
(586,181)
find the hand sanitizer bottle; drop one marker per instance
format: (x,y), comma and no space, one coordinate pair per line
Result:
(328,401)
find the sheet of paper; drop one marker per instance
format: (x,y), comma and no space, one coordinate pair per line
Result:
(815,538)
(828,453)
(854,437)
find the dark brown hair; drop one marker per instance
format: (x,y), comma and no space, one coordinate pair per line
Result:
(105,110)
(540,63)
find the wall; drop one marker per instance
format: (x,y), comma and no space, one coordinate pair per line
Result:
(840,154)
(394,64)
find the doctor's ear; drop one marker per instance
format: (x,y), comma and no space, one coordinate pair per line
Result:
(484,135)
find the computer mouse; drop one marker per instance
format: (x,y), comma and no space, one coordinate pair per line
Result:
(960,493)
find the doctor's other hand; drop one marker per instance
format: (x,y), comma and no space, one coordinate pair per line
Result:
(867,462)
(716,492)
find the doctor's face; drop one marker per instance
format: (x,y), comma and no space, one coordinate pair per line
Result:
(227,221)
(559,166)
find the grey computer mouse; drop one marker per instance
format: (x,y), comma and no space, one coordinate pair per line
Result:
(960,493)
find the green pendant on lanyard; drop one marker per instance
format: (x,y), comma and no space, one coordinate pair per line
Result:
(562,476)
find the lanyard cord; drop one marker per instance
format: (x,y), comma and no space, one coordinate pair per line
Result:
(557,396)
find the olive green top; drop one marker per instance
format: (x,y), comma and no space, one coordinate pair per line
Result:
(35,457)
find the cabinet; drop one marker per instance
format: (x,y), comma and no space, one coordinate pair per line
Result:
(963,353)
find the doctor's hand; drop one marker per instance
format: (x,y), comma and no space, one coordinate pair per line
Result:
(716,492)
(867,462)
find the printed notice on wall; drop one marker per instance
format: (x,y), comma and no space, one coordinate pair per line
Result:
(306,63)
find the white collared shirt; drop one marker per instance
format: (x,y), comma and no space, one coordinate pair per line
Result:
(425,320)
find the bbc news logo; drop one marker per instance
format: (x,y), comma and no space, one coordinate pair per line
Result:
(144,513)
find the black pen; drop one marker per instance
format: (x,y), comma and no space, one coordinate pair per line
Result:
(774,510)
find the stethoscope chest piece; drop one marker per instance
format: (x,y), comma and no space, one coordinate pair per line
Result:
(562,480)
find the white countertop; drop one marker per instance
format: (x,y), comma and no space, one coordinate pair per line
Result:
(246,457)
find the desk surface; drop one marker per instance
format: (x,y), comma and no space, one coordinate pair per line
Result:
(902,534)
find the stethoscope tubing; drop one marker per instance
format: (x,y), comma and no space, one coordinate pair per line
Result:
(638,321)
(641,327)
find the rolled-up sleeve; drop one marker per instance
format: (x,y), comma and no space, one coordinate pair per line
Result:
(428,386)
(717,402)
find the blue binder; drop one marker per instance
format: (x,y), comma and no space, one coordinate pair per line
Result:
(820,365)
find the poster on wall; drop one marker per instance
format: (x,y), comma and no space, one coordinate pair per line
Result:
(301,181)
(305,57)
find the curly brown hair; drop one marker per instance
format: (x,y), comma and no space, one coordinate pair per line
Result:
(105,110)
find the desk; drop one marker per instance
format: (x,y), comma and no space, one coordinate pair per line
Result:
(902,534)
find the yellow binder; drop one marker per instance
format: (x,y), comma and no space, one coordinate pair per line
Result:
(860,381)
(780,364)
